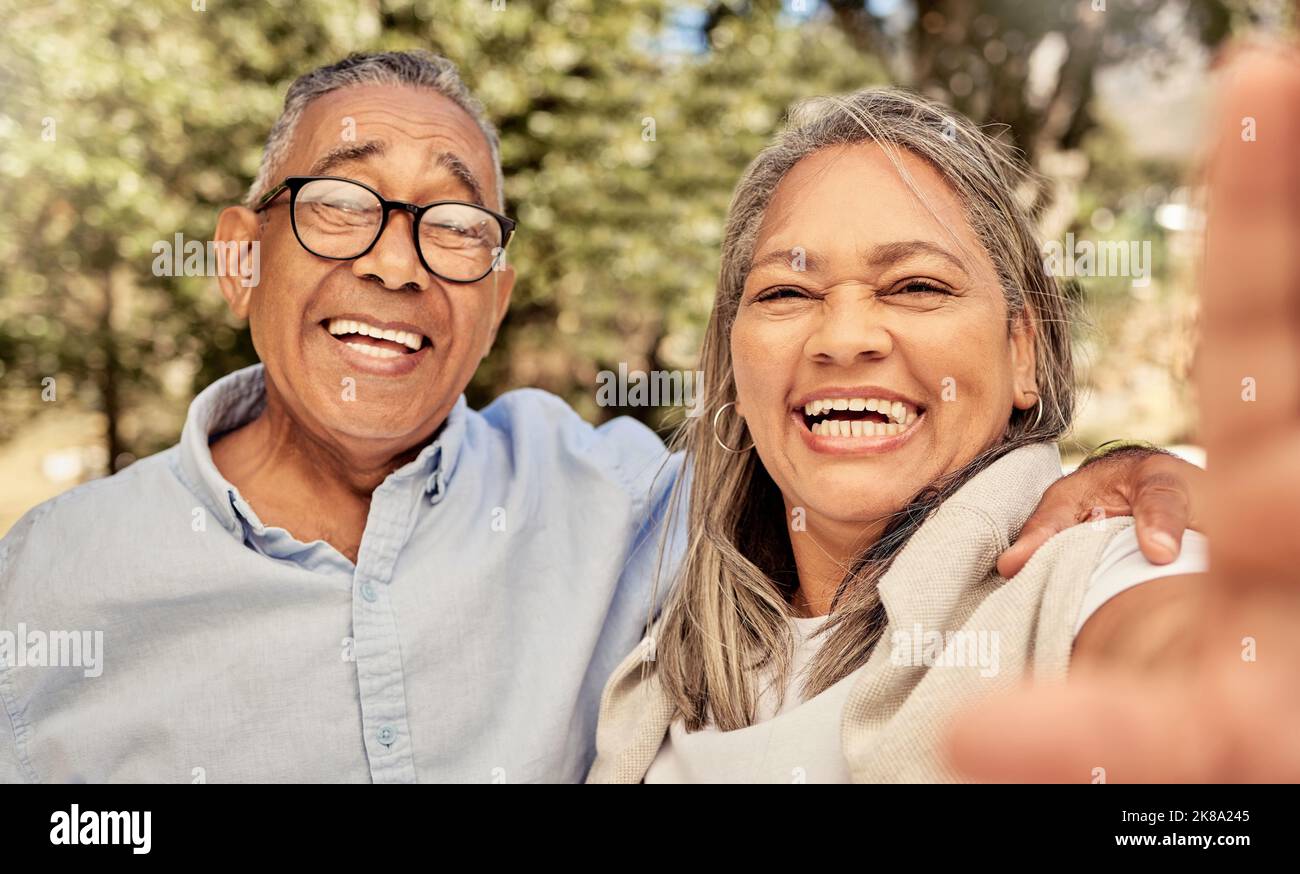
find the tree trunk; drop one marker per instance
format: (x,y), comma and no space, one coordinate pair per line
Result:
(108,378)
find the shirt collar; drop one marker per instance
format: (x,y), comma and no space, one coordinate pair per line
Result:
(236,399)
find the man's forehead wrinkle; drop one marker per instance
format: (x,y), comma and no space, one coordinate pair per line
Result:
(416,118)
(411,113)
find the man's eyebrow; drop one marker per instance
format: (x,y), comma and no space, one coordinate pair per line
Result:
(458,168)
(351,152)
(346,154)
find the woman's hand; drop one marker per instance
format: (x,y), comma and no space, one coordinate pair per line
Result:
(1234,715)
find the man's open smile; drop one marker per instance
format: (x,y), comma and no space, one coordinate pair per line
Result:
(388,348)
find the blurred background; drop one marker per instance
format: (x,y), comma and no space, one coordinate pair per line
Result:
(624,125)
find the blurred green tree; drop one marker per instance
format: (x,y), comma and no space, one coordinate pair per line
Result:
(624,127)
(128,122)
(975,54)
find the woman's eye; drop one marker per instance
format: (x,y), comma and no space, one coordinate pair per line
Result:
(785,292)
(917,286)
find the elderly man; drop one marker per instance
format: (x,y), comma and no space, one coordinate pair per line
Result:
(341,572)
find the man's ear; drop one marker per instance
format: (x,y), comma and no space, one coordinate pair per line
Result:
(1024,360)
(503,283)
(238,229)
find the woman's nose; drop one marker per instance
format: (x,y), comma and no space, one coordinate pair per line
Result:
(848,332)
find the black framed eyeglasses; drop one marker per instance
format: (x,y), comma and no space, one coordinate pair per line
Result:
(342,219)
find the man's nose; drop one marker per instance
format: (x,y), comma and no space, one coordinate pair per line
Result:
(849,330)
(394,261)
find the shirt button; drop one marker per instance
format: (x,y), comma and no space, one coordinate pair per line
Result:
(368,592)
(387,735)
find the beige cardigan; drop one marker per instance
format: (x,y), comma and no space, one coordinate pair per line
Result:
(944,579)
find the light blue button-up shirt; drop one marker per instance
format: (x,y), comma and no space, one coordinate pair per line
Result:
(502,575)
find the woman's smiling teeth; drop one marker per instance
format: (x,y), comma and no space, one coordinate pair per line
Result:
(858,417)
(352,327)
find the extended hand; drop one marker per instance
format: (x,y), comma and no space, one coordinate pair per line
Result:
(1232,713)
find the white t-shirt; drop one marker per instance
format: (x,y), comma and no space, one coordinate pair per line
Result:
(799,741)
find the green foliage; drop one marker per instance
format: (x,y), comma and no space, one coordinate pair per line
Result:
(625,126)
(620,154)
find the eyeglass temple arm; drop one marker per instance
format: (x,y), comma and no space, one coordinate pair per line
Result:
(269,196)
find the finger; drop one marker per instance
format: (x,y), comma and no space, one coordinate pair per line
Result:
(1255,542)
(1057,511)
(1082,733)
(1162,510)
(1247,367)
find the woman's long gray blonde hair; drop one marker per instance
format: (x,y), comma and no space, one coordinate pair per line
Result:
(728,615)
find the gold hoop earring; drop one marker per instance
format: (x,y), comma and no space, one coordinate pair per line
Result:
(717,416)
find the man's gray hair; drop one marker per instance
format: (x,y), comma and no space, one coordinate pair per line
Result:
(419,69)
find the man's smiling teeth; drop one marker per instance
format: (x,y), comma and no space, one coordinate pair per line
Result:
(340,327)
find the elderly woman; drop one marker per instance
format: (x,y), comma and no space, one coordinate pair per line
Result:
(892,367)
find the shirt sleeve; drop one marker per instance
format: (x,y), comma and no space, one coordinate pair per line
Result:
(11,764)
(1123,566)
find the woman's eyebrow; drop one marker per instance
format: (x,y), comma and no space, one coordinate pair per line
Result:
(881,256)
(891,253)
(792,259)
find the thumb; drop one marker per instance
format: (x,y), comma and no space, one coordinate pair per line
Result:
(1089,731)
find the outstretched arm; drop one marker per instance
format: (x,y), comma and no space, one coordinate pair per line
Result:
(1236,717)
